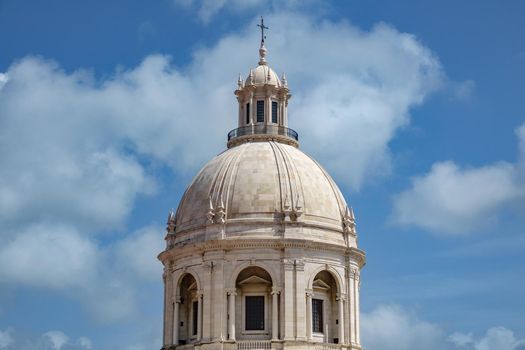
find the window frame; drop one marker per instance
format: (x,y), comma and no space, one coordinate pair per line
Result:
(252,332)
(194,320)
(276,115)
(259,103)
(247,113)
(322,302)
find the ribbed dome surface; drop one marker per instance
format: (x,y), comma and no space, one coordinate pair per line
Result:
(264,75)
(261,181)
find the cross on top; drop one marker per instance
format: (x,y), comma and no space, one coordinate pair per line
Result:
(263,27)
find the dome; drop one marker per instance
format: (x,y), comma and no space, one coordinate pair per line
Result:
(263,75)
(271,184)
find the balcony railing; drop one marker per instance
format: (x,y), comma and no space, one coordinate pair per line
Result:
(263,130)
(254,345)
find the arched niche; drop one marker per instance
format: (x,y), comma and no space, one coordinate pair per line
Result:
(324,308)
(189,311)
(253,304)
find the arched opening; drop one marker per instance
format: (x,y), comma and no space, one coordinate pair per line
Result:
(189,307)
(326,309)
(254,305)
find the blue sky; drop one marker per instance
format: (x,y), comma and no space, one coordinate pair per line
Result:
(108,108)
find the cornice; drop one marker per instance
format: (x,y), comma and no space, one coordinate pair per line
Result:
(178,252)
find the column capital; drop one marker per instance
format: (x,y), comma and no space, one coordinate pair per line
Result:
(231,291)
(177,299)
(354,273)
(309,293)
(340,297)
(299,265)
(199,293)
(276,290)
(288,264)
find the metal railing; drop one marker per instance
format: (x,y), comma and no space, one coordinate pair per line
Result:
(254,345)
(264,130)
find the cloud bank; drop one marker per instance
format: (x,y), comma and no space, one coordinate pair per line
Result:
(393,327)
(451,199)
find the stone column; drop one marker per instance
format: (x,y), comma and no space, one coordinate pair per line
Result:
(175,329)
(275,313)
(231,314)
(268,109)
(166,300)
(341,335)
(352,302)
(357,326)
(199,315)
(252,112)
(309,295)
(300,286)
(289,302)
(207,302)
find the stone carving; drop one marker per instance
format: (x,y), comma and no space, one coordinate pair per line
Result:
(349,222)
(220,216)
(210,214)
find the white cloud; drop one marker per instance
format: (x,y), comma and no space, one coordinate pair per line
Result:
(499,338)
(207,9)
(3,79)
(53,256)
(5,338)
(393,327)
(136,253)
(454,200)
(102,278)
(461,340)
(57,338)
(390,326)
(85,342)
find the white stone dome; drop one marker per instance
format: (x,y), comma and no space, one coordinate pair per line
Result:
(263,75)
(272,185)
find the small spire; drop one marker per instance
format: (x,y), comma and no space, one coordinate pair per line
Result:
(171,223)
(250,77)
(239,82)
(352,216)
(211,213)
(283,79)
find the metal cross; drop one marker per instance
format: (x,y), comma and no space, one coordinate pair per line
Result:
(263,27)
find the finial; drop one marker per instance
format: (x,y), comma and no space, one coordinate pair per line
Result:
(250,77)
(171,222)
(211,213)
(263,27)
(283,79)
(262,49)
(239,82)
(352,216)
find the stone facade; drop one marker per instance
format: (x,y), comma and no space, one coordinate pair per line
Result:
(262,227)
